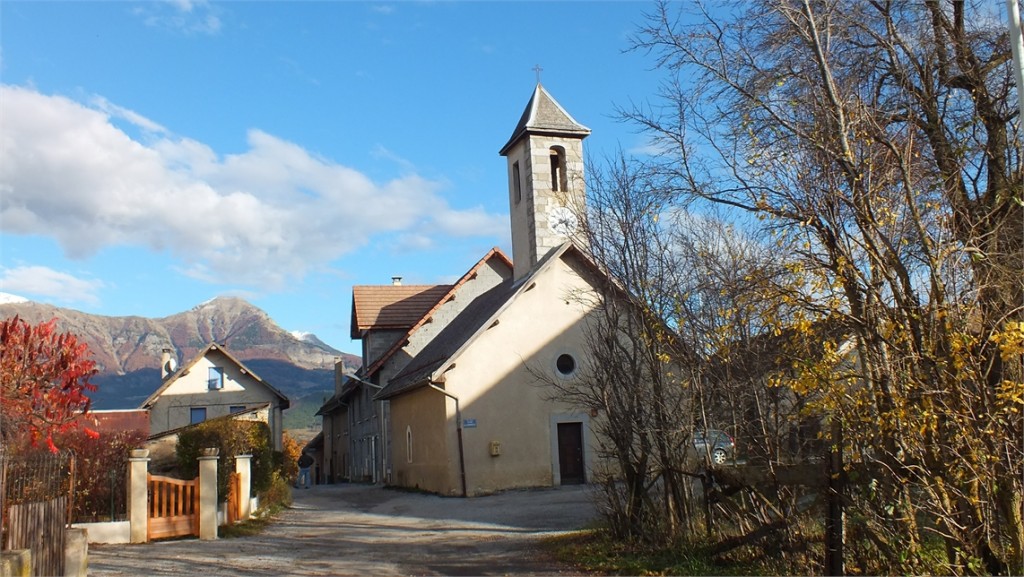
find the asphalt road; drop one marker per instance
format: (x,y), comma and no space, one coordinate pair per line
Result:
(365,530)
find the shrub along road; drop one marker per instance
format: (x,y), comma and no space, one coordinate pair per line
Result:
(365,530)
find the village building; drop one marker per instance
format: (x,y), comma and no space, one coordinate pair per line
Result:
(455,386)
(213,384)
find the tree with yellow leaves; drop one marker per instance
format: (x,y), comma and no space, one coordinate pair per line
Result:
(880,142)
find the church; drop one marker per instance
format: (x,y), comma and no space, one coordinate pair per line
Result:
(454,395)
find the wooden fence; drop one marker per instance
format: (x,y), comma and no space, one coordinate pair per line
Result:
(36,493)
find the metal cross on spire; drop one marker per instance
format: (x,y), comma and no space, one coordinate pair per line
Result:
(537,69)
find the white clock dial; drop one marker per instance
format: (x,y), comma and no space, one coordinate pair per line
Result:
(562,221)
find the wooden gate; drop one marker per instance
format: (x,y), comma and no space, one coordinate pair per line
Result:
(173,507)
(234,503)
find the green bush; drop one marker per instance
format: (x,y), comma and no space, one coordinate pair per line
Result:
(277,496)
(233,438)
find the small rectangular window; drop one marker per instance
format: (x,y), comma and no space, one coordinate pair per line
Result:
(408,444)
(556,169)
(197,415)
(216,378)
(516,184)
(236,409)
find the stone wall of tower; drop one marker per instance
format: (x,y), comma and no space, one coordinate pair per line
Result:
(532,236)
(521,207)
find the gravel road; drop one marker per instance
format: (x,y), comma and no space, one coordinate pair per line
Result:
(366,530)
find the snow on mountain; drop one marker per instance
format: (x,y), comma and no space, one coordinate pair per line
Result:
(8,298)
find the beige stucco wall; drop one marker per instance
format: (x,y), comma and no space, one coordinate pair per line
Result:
(336,459)
(496,380)
(172,408)
(434,464)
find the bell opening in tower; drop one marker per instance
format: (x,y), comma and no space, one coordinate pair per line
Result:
(559,180)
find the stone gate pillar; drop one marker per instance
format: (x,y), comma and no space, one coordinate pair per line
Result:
(243,466)
(138,496)
(208,493)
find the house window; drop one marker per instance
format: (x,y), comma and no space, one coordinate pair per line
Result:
(236,409)
(565,364)
(216,378)
(559,180)
(197,415)
(408,444)
(517,186)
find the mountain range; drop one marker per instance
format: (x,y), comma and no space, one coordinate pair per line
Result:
(127,350)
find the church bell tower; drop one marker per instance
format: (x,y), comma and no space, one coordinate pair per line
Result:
(545,180)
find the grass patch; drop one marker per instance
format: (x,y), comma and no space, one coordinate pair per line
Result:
(272,502)
(253,526)
(593,551)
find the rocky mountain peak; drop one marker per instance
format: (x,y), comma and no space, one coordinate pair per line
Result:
(124,344)
(127,349)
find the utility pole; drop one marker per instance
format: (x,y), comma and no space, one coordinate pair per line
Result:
(1017,48)
(834,521)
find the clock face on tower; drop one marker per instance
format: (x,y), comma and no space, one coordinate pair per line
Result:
(562,220)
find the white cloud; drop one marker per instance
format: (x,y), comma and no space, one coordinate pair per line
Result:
(187,16)
(263,217)
(470,222)
(132,117)
(412,242)
(55,285)
(650,148)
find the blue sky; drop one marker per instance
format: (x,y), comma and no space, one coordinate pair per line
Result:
(154,155)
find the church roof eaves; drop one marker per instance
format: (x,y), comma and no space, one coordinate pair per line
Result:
(494,253)
(442,352)
(544,115)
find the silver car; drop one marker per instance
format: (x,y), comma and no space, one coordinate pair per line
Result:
(714,444)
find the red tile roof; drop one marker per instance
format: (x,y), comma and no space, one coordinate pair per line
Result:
(392,307)
(118,420)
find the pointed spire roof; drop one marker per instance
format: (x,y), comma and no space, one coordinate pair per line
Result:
(544,115)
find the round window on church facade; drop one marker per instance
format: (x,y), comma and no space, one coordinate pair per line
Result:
(566,364)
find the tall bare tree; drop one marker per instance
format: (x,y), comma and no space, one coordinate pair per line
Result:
(631,378)
(879,141)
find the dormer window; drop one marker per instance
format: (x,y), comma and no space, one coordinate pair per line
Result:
(216,381)
(559,180)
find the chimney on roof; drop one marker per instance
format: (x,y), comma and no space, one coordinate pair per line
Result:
(396,281)
(166,363)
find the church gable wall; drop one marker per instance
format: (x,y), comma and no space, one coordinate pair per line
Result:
(499,380)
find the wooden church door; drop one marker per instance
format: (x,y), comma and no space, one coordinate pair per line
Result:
(570,453)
